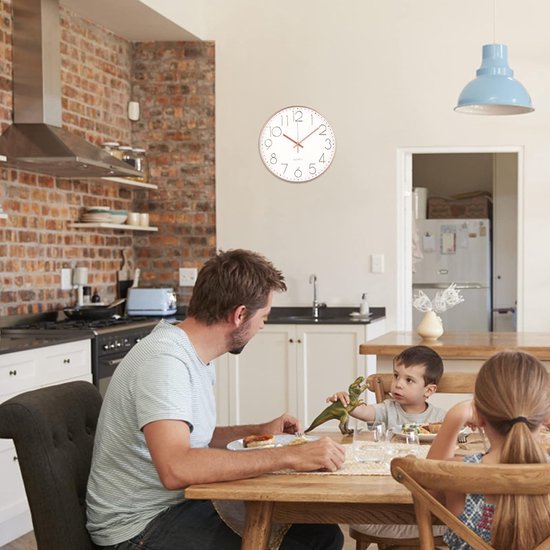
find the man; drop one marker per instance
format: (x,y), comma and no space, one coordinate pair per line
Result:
(156,432)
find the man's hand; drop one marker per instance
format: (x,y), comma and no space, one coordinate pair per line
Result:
(284,424)
(322,454)
(342,396)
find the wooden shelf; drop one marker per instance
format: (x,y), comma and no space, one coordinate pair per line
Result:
(126,181)
(104,225)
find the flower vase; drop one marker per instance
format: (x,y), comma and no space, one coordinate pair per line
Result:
(431,326)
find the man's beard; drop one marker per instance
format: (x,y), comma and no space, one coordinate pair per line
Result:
(238,339)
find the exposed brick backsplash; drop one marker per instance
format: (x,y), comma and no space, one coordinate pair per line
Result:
(174,83)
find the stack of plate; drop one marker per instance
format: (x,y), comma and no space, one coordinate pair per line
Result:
(96,214)
(103,214)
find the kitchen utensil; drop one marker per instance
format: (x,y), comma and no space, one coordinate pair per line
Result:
(93,312)
(137,273)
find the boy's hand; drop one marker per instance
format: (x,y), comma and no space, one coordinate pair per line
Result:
(341,396)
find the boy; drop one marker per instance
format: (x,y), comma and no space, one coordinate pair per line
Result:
(416,373)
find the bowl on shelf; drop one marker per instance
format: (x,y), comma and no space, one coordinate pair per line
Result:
(118,216)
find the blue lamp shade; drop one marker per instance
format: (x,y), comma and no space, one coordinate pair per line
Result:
(494,91)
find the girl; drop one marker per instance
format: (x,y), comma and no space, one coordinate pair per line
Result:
(511,403)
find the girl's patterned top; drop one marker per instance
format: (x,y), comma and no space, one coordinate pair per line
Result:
(477,516)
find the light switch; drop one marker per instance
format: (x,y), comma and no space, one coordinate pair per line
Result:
(377,263)
(188,276)
(66,278)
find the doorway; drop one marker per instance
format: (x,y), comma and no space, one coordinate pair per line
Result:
(453,171)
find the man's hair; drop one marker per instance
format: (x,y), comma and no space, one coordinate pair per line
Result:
(422,355)
(231,279)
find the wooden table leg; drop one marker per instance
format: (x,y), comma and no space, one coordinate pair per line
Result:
(257,526)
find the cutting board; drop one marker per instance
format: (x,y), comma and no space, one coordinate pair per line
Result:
(125,273)
(124,276)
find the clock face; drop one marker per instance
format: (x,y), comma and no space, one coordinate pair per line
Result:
(297,144)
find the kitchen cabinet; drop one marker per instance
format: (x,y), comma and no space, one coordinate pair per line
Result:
(291,368)
(19,372)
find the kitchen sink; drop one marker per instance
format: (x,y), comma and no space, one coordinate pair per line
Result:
(327,315)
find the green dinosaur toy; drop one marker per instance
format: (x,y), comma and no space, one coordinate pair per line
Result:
(340,412)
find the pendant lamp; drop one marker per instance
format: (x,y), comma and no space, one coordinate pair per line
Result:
(494,91)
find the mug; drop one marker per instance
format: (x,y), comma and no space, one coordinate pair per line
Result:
(133,218)
(144,220)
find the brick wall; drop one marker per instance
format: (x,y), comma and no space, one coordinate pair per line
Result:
(174,84)
(36,240)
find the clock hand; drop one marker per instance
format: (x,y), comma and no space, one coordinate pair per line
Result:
(297,145)
(312,132)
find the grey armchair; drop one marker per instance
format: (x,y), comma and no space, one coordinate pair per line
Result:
(53,429)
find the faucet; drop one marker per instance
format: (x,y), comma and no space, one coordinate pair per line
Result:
(316,304)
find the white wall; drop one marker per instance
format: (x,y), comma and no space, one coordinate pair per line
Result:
(386,75)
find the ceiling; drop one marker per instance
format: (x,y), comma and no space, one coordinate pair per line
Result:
(129,19)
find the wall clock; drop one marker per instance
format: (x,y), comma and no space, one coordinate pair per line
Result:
(297,144)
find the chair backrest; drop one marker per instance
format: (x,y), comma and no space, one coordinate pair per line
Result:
(53,430)
(452,382)
(421,476)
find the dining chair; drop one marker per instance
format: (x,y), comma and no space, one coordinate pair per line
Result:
(53,431)
(364,535)
(421,475)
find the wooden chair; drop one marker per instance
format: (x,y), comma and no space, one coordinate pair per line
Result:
(379,384)
(420,476)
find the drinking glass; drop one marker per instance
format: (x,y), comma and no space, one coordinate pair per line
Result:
(369,441)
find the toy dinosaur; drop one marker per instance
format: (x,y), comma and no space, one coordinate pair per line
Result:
(340,412)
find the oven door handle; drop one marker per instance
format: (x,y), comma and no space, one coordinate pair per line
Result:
(114,362)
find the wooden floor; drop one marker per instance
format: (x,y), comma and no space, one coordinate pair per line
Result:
(27,542)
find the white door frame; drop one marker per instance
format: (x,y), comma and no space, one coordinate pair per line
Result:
(404,225)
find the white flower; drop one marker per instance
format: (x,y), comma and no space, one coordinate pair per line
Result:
(444,300)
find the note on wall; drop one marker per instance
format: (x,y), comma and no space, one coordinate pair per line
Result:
(448,239)
(428,242)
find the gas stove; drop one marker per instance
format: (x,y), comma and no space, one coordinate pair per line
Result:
(111,338)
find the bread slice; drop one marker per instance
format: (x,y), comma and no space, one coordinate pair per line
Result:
(262,440)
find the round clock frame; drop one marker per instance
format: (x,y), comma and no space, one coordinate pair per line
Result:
(297,144)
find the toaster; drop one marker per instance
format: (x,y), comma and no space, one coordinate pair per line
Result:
(151,301)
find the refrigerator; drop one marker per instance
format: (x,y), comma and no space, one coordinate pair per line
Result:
(455,251)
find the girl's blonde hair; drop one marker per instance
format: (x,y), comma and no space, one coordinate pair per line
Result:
(512,394)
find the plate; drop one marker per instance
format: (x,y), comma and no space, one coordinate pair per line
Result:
(280,441)
(427,437)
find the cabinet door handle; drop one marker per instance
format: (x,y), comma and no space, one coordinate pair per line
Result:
(13,372)
(66,361)
(15,459)
(299,341)
(291,340)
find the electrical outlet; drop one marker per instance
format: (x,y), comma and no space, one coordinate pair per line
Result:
(377,263)
(188,276)
(66,278)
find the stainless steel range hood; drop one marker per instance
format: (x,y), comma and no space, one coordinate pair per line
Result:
(36,142)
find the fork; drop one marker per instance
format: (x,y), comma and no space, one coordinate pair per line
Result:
(299,435)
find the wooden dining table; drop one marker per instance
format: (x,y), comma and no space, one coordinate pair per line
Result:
(310,498)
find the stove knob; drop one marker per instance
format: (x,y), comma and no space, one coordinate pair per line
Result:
(118,344)
(105,347)
(112,346)
(138,339)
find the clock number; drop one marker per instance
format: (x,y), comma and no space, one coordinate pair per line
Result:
(323,129)
(328,144)
(297,115)
(285,164)
(312,169)
(297,173)
(273,158)
(268,143)
(275,131)
(322,158)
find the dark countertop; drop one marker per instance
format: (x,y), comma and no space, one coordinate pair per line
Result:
(327,316)
(11,345)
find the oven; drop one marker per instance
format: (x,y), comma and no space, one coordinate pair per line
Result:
(111,339)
